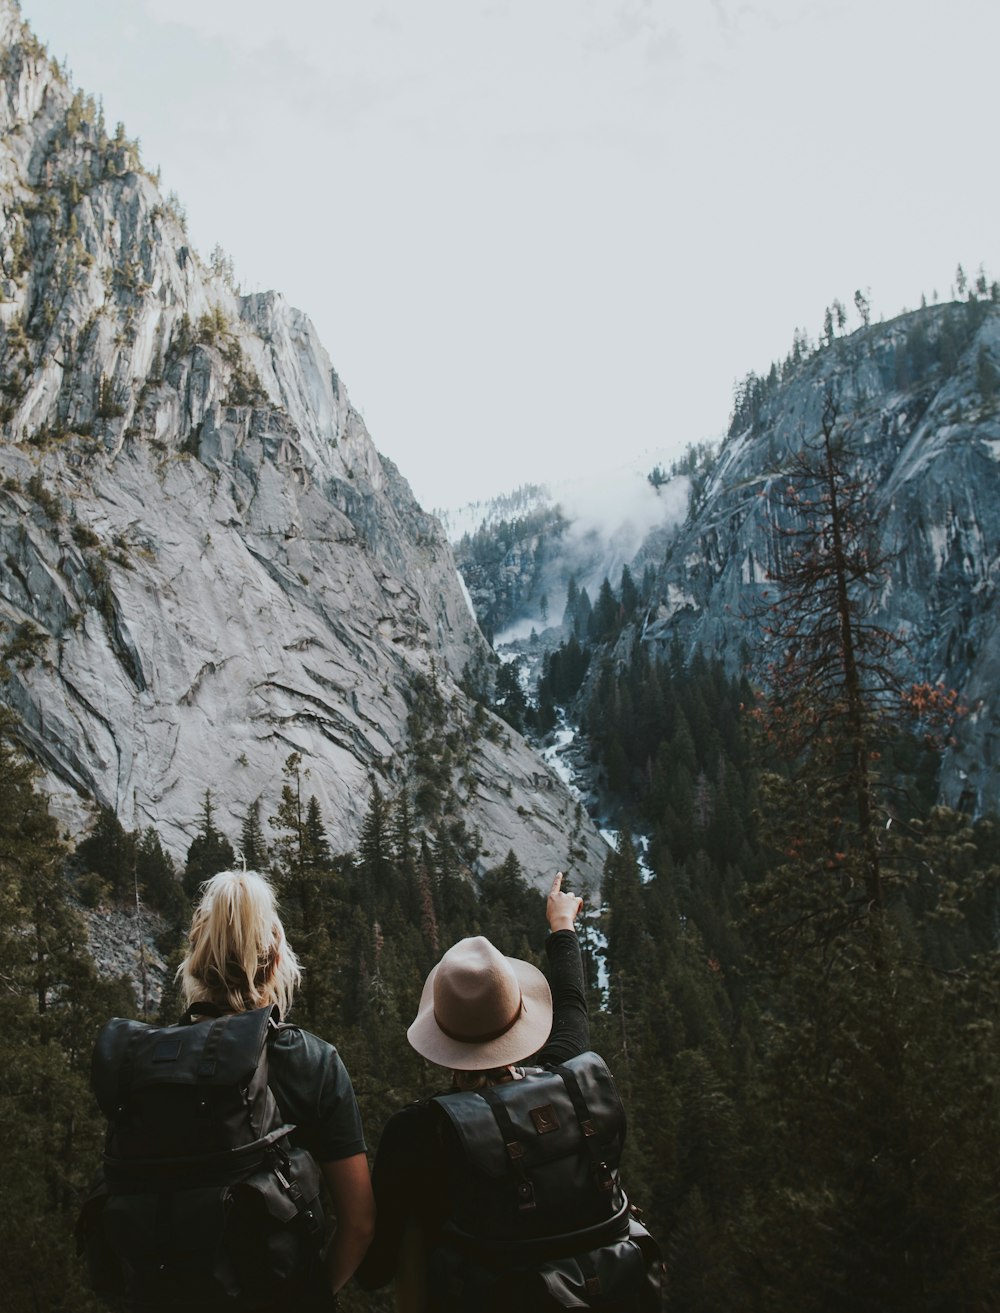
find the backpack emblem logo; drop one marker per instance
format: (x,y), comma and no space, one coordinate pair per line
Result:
(545,1119)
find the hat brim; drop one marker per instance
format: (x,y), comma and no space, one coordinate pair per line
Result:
(525,1037)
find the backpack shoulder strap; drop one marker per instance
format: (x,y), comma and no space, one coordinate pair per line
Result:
(514,1147)
(588,1128)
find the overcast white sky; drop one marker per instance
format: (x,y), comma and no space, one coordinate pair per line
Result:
(542,236)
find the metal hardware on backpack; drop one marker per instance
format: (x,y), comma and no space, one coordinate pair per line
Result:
(538,1212)
(202,1198)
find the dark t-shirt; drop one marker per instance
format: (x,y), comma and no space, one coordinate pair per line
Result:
(314,1092)
(409,1177)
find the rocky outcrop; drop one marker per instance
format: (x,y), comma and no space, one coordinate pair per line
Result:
(205,564)
(918,397)
(123,944)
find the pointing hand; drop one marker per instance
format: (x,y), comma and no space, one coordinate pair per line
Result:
(561,907)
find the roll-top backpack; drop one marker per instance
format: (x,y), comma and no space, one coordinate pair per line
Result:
(202,1201)
(539,1216)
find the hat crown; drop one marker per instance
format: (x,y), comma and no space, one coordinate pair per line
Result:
(479,1009)
(477,996)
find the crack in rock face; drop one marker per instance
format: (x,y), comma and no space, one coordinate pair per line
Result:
(204,562)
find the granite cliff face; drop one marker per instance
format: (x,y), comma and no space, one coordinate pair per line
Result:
(918,397)
(205,565)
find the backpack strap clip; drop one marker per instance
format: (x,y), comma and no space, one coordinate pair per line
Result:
(523,1184)
(287,1181)
(605,1176)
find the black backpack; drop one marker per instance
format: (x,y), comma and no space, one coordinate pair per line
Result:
(202,1201)
(539,1217)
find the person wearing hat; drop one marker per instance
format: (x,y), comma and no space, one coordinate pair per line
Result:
(481,1015)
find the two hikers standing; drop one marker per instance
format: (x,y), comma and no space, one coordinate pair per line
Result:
(503,1188)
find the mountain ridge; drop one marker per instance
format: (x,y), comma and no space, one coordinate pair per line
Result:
(207,564)
(917,395)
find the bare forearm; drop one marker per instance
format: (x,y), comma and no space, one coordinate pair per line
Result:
(354,1209)
(347,1249)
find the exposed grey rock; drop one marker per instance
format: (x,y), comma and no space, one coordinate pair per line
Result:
(205,565)
(124,945)
(917,397)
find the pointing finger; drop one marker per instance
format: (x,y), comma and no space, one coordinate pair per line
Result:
(557,883)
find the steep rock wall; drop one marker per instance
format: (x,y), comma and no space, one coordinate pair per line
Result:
(205,564)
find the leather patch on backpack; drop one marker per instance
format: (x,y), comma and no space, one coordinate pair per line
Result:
(545,1119)
(167,1050)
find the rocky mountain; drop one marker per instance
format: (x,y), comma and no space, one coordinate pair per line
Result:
(205,564)
(917,401)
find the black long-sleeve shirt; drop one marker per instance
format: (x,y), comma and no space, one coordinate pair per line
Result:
(408,1177)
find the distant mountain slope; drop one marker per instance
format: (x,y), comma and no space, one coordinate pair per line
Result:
(205,565)
(517,553)
(919,395)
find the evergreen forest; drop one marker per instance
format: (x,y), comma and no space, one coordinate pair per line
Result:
(792,963)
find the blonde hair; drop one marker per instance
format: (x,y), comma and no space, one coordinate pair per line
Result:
(238,957)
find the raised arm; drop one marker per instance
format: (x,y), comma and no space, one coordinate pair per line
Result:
(570,1033)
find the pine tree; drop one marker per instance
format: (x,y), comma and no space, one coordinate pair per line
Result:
(375,864)
(157,877)
(569,611)
(403,836)
(603,622)
(834,689)
(49,1134)
(110,851)
(210,851)
(309,893)
(253,845)
(511,703)
(316,843)
(852,1039)
(581,615)
(628,593)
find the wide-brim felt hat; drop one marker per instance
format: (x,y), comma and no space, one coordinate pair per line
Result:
(480,1010)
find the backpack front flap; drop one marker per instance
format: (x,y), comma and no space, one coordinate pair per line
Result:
(184,1091)
(537,1158)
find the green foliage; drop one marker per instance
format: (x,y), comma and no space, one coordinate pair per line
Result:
(221,266)
(108,406)
(524,543)
(123,865)
(48,501)
(157,877)
(110,851)
(210,851)
(750,396)
(253,845)
(84,536)
(26,645)
(563,672)
(490,543)
(510,701)
(54,1003)
(442,736)
(213,326)
(509,908)
(577,611)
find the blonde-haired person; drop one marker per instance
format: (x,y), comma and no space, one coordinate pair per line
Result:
(482,1015)
(238,959)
